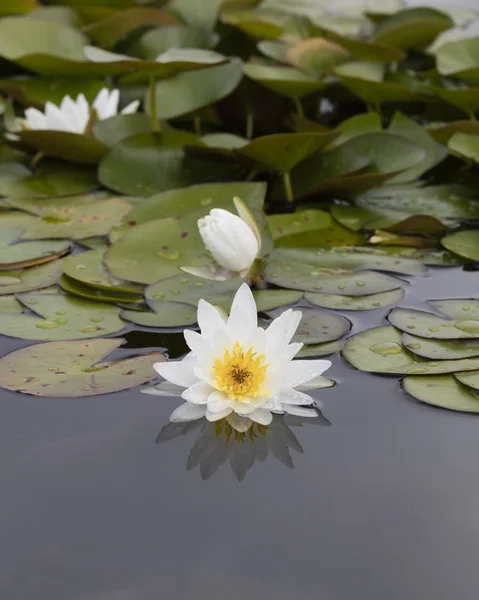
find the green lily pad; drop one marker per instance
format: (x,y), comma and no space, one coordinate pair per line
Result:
(429,325)
(197,13)
(270,299)
(72,217)
(114,130)
(463,243)
(459,58)
(379,350)
(49,179)
(19,255)
(317,55)
(443,391)
(282,151)
(153,251)
(73,147)
(467,99)
(367,50)
(412,28)
(440,349)
(284,225)
(160,39)
(59,317)
(10,304)
(189,289)
(469,379)
(370,302)
(170,314)
(88,268)
(285,81)
(149,163)
(18,7)
(443,132)
(32,278)
(74,369)
(186,92)
(328,237)
(318,326)
(314,350)
(458,308)
(465,146)
(76,288)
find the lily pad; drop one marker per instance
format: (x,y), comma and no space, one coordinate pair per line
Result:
(313,350)
(76,288)
(318,326)
(114,130)
(370,302)
(459,58)
(59,317)
(197,13)
(367,50)
(160,39)
(153,251)
(429,325)
(333,236)
(441,349)
(270,299)
(317,55)
(462,308)
(32,278)
(283,225)
(443,391)
(463,243)
(379,350)
(285,81)
(169,314)
(73,217)
(469,379)
(73,147)
(75,368)
(186,92)
(465,146)
(89,269)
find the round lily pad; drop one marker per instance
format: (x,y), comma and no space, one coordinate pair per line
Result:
(76,148)
(461,308)
(74,369)
(269,299)
(380,350)
(463,243)
(286,81)
(313,350)
(441,349)
(298,223)
(88,268)
(32,278)
(59,317)
(469,379)
(76,288)
(318,326)
(169,314)
(443,391)
(160,39)
(369,302)
(429,325)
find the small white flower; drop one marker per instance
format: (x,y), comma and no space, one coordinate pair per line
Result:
(237,367)
(233,241)
(74,115)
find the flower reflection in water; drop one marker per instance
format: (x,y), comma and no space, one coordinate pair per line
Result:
(239,444)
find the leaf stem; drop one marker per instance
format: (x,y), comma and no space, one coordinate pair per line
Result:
(197,124)
(36,159)
(288,189)
(299,107)
(249,124)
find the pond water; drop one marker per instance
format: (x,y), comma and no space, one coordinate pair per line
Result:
(383,503)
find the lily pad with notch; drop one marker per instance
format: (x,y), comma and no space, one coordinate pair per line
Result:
(32,278)
(429,325)
(169,314)
(370,302)
(443,391)
(315,350)
(76,288)
(440,349)
(286,81)
(74,369)
(318,326)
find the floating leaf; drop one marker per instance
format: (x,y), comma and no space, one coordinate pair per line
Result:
(367,50)
(89,269)
(373,301)
(466,99)
(465,145)
(73,217)
(169,314)
(58,317)
(33,278)
(76,288)
(463,243)
(443,391)
(73,147)
(198,13)
(114,130)
(160,39)
(457,308)
(443,132)
(469,379)
(328,237)
(429,325)
(440,349)
(286,81)
(298,223)
(318,326)
(459,58)
(317,55)
(320,349)
(72,369)
(379,350)
(270,299)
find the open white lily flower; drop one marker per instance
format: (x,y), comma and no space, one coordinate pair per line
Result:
(233,241)
(237,367)
(74,115)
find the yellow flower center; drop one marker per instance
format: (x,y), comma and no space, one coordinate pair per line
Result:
(240,374)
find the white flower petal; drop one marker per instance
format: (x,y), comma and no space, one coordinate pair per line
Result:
(210,319)
(318,383)
(198,393)
(35,119)
(299,372)
(178,372)
(217,416)
(187,412)
(299,411)
(243,319)
(282,329)
(261,416)
(131,108)
(218,401)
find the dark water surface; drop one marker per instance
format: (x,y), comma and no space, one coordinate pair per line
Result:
(383,504)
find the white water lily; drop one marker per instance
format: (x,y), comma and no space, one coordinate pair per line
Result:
(233,241)
(237,367)
(74,115)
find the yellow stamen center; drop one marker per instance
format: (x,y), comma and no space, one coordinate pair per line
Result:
(240,374)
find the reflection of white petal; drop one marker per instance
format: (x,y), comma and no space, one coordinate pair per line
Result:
(239,423)
(165,389)
(179,373)
(261,416)
(187,412)
(302,371)
(198,393)
(299,410)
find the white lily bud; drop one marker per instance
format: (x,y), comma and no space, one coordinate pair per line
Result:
(231,241)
